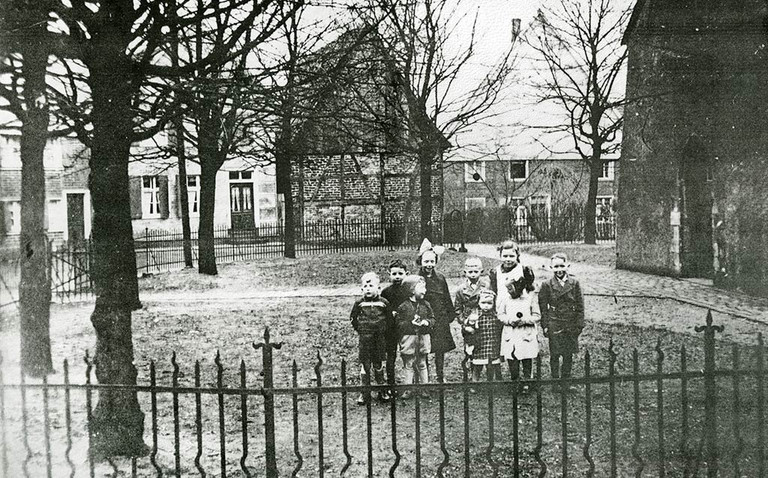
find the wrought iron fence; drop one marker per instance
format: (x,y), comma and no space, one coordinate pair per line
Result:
(161,250)
(494,225)
(676,419)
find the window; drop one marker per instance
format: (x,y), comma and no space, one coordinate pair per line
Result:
(193,194)
(55,214)
(474,172)
(12,217)
(520,211)
(604,208)
(240,175)
(474,203)
(267,209)
(607,172)
(518,169)
(150,197)
(540,207)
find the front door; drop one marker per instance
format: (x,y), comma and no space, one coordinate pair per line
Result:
(76,218)
(241,205)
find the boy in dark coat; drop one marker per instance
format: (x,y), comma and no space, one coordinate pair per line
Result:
(371,316)
(395,293)
(562,316)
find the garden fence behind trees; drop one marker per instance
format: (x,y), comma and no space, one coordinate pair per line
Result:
(162,250)
(648,413)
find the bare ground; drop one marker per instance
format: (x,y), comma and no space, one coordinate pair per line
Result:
(196,328)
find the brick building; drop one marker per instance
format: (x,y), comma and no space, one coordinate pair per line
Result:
(532,184)
(692,195)
(359,159)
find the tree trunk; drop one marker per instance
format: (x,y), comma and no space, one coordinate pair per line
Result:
(590,227)
(206,260)
(425,182)
(284,151)
(118,422)
(186,233)
(35,286)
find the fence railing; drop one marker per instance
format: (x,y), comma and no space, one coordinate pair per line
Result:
(676,419)
(498,224)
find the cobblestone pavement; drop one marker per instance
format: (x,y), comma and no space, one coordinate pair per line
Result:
(605,280)
(597,280)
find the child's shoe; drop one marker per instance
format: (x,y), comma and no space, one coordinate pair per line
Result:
(384,396)
(362,399)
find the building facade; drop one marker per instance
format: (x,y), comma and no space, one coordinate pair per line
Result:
(245,195)
(692,195)
(538,186)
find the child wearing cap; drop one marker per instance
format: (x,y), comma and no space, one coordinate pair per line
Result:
(414,321)
(370,317)
(396,293)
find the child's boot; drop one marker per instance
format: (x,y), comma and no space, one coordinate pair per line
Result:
(383,395)
(365,395)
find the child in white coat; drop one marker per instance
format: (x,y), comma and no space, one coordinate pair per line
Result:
(518,310)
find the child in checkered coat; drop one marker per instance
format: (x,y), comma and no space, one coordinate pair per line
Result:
(487,337)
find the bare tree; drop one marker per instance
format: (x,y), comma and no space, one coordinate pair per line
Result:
(24,50)
(413,41)
(578,46)
(113,92)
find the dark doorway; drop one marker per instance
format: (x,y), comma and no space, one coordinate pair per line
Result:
(75,218)
(696,249)
(241,205)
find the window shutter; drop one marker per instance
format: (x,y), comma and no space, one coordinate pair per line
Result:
(135,195)
(162,185)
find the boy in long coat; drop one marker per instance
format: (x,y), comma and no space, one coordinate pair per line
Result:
(562,316)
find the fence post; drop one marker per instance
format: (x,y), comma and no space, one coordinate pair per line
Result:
(269,402)
(146,249)
(710,393)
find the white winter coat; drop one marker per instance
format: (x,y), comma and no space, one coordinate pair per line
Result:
(520,316)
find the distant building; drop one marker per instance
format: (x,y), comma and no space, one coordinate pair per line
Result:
(59,190)
(693,200)
(545,186)
(245,195)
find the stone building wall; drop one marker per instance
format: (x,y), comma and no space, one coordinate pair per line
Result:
(696,142)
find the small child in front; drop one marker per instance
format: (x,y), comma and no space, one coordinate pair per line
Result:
(466,299)
(370,317)
(487,337)
(414,321)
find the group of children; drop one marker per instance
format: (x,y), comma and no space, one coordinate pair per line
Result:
(499,316)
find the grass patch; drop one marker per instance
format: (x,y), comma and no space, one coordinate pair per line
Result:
(304,271)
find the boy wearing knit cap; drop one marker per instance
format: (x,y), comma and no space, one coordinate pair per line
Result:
(414,321)
(370,317)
